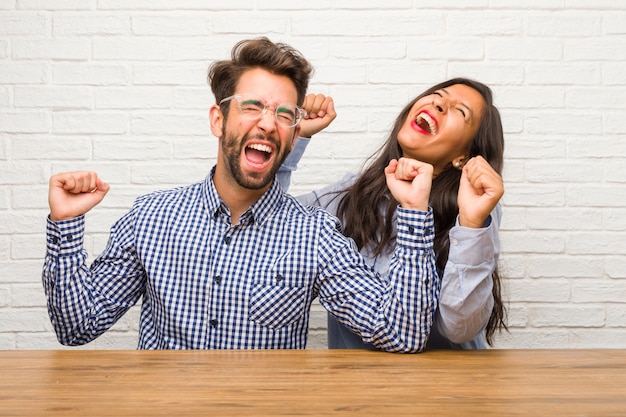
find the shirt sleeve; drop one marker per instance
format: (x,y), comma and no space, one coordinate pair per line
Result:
(291,162)
(395,313)
(466,287)
(84,301)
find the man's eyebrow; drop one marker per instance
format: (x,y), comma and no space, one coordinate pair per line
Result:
(471,113)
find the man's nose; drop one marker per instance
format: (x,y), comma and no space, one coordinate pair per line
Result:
(267,121)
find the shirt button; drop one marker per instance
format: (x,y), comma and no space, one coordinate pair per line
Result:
(69,237)
(455,242)
(55,240)
(213,323)
(411,229)
(217,279)
(279,278)
(227,239)
(428,231)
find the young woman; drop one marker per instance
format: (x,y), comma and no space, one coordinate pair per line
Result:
(455,127)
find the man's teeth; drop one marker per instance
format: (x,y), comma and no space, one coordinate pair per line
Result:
(260,147)
(424,117)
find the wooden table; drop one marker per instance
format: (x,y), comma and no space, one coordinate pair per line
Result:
(313,382)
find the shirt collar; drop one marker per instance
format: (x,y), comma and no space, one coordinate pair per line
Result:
(260,211)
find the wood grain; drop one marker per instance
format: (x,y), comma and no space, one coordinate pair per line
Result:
(313,383)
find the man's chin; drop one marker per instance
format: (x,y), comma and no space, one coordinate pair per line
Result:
(255,181)
(256,176)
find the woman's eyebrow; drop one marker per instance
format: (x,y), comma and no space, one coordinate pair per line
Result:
(471,113)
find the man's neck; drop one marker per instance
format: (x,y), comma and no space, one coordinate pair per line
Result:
(237,198)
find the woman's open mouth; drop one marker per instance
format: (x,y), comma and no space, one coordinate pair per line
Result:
(425,122)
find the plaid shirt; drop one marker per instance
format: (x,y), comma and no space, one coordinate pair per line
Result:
(207,284)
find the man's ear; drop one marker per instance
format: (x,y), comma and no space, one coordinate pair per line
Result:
(216,119)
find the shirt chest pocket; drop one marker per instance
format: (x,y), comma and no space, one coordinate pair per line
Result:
(277,301)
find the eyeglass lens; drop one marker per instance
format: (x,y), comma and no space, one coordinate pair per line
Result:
(286,114)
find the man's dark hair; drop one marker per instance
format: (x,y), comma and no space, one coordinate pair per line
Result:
(277,58)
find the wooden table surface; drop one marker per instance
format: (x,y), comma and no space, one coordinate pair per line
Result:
(313,382)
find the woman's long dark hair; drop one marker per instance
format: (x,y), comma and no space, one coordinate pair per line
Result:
(370,228)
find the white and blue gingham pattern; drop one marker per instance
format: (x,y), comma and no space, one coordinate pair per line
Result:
(207,284)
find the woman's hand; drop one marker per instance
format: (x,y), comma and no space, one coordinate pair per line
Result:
(320,111)
(480,189)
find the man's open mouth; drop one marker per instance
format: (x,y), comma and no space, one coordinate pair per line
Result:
(258,153)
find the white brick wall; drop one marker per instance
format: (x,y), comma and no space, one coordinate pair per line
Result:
(119,86)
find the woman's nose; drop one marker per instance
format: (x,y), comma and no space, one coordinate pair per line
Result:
(441,104)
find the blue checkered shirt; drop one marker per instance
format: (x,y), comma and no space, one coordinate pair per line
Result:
(207,284)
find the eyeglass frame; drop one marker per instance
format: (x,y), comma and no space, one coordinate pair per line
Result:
(301,111)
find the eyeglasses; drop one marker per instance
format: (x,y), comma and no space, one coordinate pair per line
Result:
(253,108)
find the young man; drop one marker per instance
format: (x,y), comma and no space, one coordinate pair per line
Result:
(232,262)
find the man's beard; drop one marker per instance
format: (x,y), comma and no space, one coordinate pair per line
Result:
(232,149)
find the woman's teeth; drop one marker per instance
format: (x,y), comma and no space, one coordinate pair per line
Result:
(427,123)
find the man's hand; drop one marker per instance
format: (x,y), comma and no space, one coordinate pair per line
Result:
(410,181)
(480,189)
(73,194)
(320,113)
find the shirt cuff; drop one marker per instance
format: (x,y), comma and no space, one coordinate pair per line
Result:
(470,243)
(415,228)
(65,236)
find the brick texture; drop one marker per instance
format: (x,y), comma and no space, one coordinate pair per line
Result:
(120,87)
